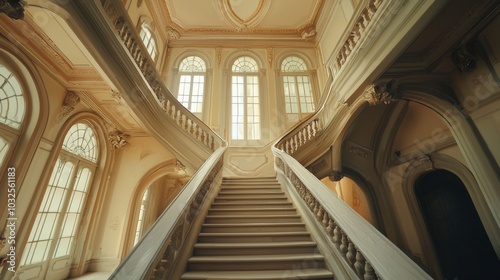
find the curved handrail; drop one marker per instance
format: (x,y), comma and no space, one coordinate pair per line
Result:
(365,250)
(167,234)
(181,116)
(309,129)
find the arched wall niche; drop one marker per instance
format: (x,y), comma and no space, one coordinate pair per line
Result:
(436,161)
(168,170)
(478,158)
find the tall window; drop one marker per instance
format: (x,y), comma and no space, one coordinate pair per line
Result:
(297,89)
(57,222)
(192,72)
(12,110)
(148,40)
(245,107)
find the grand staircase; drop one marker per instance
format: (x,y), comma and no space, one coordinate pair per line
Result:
(253,231)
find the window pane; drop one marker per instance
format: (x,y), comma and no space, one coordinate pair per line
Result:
(81,141)
(192,84)
(148,40)
(4,147)
(12,105)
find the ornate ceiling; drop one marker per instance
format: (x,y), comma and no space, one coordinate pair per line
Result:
(240,18)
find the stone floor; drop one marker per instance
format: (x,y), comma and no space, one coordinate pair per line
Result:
(93,276)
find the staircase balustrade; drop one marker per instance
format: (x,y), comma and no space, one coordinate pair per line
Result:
(171,106)
(159,251)
(365,250)
(309,129)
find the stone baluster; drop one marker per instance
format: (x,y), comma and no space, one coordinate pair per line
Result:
(343,244)
(359,265)
(351,253)
(337,236)
(369,272)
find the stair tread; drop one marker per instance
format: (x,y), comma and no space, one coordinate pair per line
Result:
(251,209)
(253,224)
(256,216)
(257,258)
(309,273)
(256,244)
(254,233)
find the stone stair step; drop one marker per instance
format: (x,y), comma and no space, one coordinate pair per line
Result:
(251,211)
(250,191)
(254,262)
(257,248)
(253,227)
(253,237)
(220,219)
(294,274)
(251,199)
(248,205)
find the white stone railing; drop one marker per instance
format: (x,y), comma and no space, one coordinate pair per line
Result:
(310,128)
(181,116)
(364,250)
(159,252)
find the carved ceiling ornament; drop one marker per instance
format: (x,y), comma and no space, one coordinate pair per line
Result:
(308,34)
(118,139)
(464,59)
(13,8)
(244,13)
(378,94)
(70,101)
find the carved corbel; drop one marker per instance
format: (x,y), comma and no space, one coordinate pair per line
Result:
(13,8)
(308,34)
(464,59)
(378,94)
(70,101)
(173,34)
(336,176)
(118,139)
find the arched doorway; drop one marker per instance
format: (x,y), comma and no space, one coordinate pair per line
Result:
(459,238)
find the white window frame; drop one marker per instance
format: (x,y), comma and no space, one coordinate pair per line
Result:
(243,103)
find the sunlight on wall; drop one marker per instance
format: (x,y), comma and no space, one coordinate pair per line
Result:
(347,190)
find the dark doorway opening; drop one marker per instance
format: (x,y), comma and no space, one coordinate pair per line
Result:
(462,245)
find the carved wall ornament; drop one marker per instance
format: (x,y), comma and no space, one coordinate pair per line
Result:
(336,176)
(118,139)
(378,94)
(173,34)
(464,59)
(308,34)
(270,56)
(70,101)
(13,8)
(357,150)
(218,52)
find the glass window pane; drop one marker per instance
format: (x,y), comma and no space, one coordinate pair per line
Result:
(4,147)
(81,141)
(12,104)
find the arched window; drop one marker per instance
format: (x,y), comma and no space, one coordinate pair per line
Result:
(57,221)
(297,89)
(192,71)
(148,40)
(12,111)
(245,105)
